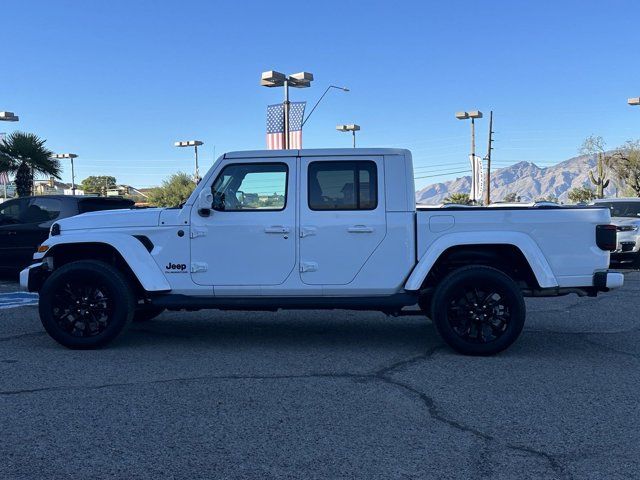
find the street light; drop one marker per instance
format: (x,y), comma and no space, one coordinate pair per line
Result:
(272,79)
(472,115)
(195,144)
(9,117)
(344,89)
(352,127)
(634,101)
(69,156)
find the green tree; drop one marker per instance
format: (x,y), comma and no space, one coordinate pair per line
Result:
(25,155)
(98,184)
(626,166)
(174,190)
(511,197)
(582,194)
(460,198)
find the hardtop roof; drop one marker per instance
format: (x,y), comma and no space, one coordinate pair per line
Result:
(316,152)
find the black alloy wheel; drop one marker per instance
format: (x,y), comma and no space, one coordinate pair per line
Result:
(479,315)
(83,309)
(86,304)
(478,310)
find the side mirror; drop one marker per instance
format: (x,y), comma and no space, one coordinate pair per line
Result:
(205,201)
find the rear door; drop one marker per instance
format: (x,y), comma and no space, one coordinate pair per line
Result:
(342,217)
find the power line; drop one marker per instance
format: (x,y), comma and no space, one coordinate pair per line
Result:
(442,174)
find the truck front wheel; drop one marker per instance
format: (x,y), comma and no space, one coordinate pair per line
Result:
(86,304)
(478,310)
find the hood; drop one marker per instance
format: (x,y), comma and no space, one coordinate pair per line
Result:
(146,217)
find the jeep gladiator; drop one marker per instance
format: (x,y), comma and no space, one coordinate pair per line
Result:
(318,229)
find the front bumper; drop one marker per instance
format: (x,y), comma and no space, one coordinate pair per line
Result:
(32,277)
(606,280)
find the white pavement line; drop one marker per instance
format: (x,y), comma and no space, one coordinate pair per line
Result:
(17,299)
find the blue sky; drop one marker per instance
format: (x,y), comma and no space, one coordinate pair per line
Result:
(117,82)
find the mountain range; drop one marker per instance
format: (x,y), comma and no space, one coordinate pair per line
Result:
(525,179)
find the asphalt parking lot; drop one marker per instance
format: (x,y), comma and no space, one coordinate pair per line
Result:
(325,395)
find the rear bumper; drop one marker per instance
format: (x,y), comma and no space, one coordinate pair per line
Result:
(32,277)
(607,280)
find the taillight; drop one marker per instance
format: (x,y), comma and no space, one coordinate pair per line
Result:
(606,237)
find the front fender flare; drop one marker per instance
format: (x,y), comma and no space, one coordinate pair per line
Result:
(132,251)
(528,247)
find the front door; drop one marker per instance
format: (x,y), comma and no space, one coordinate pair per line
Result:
(342,217)
(249,237)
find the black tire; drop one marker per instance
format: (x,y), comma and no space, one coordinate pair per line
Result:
(86,304)
(478,310)
(144,314)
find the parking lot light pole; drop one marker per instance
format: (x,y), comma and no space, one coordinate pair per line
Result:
(352,127)
(272,79)
(472,115)
(69,156)
(195,144)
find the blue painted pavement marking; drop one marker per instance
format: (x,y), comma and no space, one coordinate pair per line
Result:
(17,299)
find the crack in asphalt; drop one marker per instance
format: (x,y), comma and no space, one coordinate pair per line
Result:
(381,375)
(435,413)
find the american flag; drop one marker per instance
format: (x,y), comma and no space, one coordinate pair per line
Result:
(275,125)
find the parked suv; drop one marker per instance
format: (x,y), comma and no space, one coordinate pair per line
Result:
(625,215)
(25,222)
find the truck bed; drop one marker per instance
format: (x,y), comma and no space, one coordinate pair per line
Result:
(564,236)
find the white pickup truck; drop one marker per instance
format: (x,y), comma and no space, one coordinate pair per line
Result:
(318,229)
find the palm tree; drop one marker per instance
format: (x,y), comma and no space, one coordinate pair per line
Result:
(460,198)
(25,155)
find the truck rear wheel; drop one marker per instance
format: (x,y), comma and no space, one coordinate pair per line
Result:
(86,304)
(478,310)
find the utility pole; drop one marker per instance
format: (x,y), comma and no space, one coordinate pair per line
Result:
(487,192)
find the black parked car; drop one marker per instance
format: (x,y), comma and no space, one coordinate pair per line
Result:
(25,222)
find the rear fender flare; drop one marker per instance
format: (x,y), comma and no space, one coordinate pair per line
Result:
(528,247)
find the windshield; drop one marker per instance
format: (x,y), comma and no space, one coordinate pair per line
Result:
(622,209)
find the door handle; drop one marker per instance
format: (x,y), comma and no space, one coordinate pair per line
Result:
(276,229)
(360,229)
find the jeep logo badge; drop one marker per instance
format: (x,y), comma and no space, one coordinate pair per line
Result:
(176,267)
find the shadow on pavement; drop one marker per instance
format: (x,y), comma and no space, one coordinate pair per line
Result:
(291,332)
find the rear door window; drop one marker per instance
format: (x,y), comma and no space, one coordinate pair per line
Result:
(342,185)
